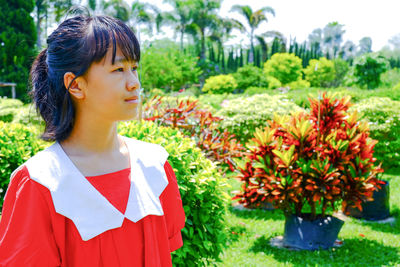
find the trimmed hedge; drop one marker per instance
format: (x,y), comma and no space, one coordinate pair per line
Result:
(243,115)
(383,115)
(201,186)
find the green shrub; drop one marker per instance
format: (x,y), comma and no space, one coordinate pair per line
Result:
(341,69)
(9,108)
(320,72)
(243,115)
(216,102)
(220,84)
(368,69)
(383,115)
(390,78)
(299,84)
(255,90)
(167,67)
(285,67)
(201,189)
(201,186)
(273,82)
(249,76)
(397,86)
(17,144)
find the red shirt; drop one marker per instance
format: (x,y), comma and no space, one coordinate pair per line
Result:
(32,233)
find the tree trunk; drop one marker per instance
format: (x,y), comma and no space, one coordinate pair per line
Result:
(251,54)
(203,45)
(182,32)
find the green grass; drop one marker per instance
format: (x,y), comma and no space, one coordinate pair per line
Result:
(365,243)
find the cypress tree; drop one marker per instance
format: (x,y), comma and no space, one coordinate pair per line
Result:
(17,44)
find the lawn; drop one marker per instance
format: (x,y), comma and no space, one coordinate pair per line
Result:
(364,243)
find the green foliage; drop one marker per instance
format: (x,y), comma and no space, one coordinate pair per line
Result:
(320,72)
(220,84)
(273,82)
(17,144)
(250,76)
(13,110)
(285,67)
(201,189)
(255,90)
(243,115)
(368,69)
(167,67)
(390,78)
(383,115)
(299,84)
(341,69)
(397,87)
(17,41)
(216,102)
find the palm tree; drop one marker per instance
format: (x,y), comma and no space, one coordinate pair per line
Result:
(254,19)
(204,20)
(180,17)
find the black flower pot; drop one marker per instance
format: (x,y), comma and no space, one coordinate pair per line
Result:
(302,233)
(375,210)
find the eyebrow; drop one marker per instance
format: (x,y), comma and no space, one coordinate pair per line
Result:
(122,60)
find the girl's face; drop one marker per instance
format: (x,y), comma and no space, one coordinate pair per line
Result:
(112,90)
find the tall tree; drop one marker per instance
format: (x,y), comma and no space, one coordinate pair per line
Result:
(365,45)
(253,19)
(180,17)
(205,20)
(332,38)
(17,42)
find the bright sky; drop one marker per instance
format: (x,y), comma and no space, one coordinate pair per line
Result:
(376,19)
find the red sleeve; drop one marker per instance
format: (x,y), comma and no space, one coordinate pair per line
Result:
(173,210)
(26,236)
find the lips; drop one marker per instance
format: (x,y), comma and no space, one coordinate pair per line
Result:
(133,99)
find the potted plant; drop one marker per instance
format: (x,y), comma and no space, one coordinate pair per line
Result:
(307,164)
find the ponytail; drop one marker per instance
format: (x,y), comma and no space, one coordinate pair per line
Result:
(53,105)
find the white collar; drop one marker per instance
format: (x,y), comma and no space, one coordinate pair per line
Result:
(75,198)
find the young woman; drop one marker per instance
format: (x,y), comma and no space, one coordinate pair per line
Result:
(93,198)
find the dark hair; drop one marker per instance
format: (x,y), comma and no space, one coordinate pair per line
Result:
(73,47)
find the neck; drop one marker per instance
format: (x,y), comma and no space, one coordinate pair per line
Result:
(91,136)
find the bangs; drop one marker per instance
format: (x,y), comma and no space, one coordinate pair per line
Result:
(106,31)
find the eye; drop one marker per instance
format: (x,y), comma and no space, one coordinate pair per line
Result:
(119,70)
(134,68)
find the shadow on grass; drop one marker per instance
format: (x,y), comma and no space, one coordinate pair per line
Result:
(354,252)
(258,214)
(234,233)
(393,228)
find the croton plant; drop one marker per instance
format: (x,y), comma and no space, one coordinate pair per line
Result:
(200,125)
(311,162)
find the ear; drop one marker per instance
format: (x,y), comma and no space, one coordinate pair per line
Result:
(76,86)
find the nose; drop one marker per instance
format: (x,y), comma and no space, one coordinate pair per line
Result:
(132,82)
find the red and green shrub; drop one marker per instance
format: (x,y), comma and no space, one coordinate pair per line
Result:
(313,160)
(218,145)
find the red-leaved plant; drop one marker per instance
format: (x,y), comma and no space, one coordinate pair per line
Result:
(200,125)
(312,161)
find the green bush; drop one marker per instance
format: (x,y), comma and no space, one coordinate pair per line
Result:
(390,78)
(167,67)
(383,115)
(243,115)
(368,68)
(201,186)
(273,82)
(255,90)
(341,69)
(17,144)
(299,84)
(216,102)
(320,72)
(201,189)
(249,76)
(397,86)
(220,84)
(285,67)
(13,110)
